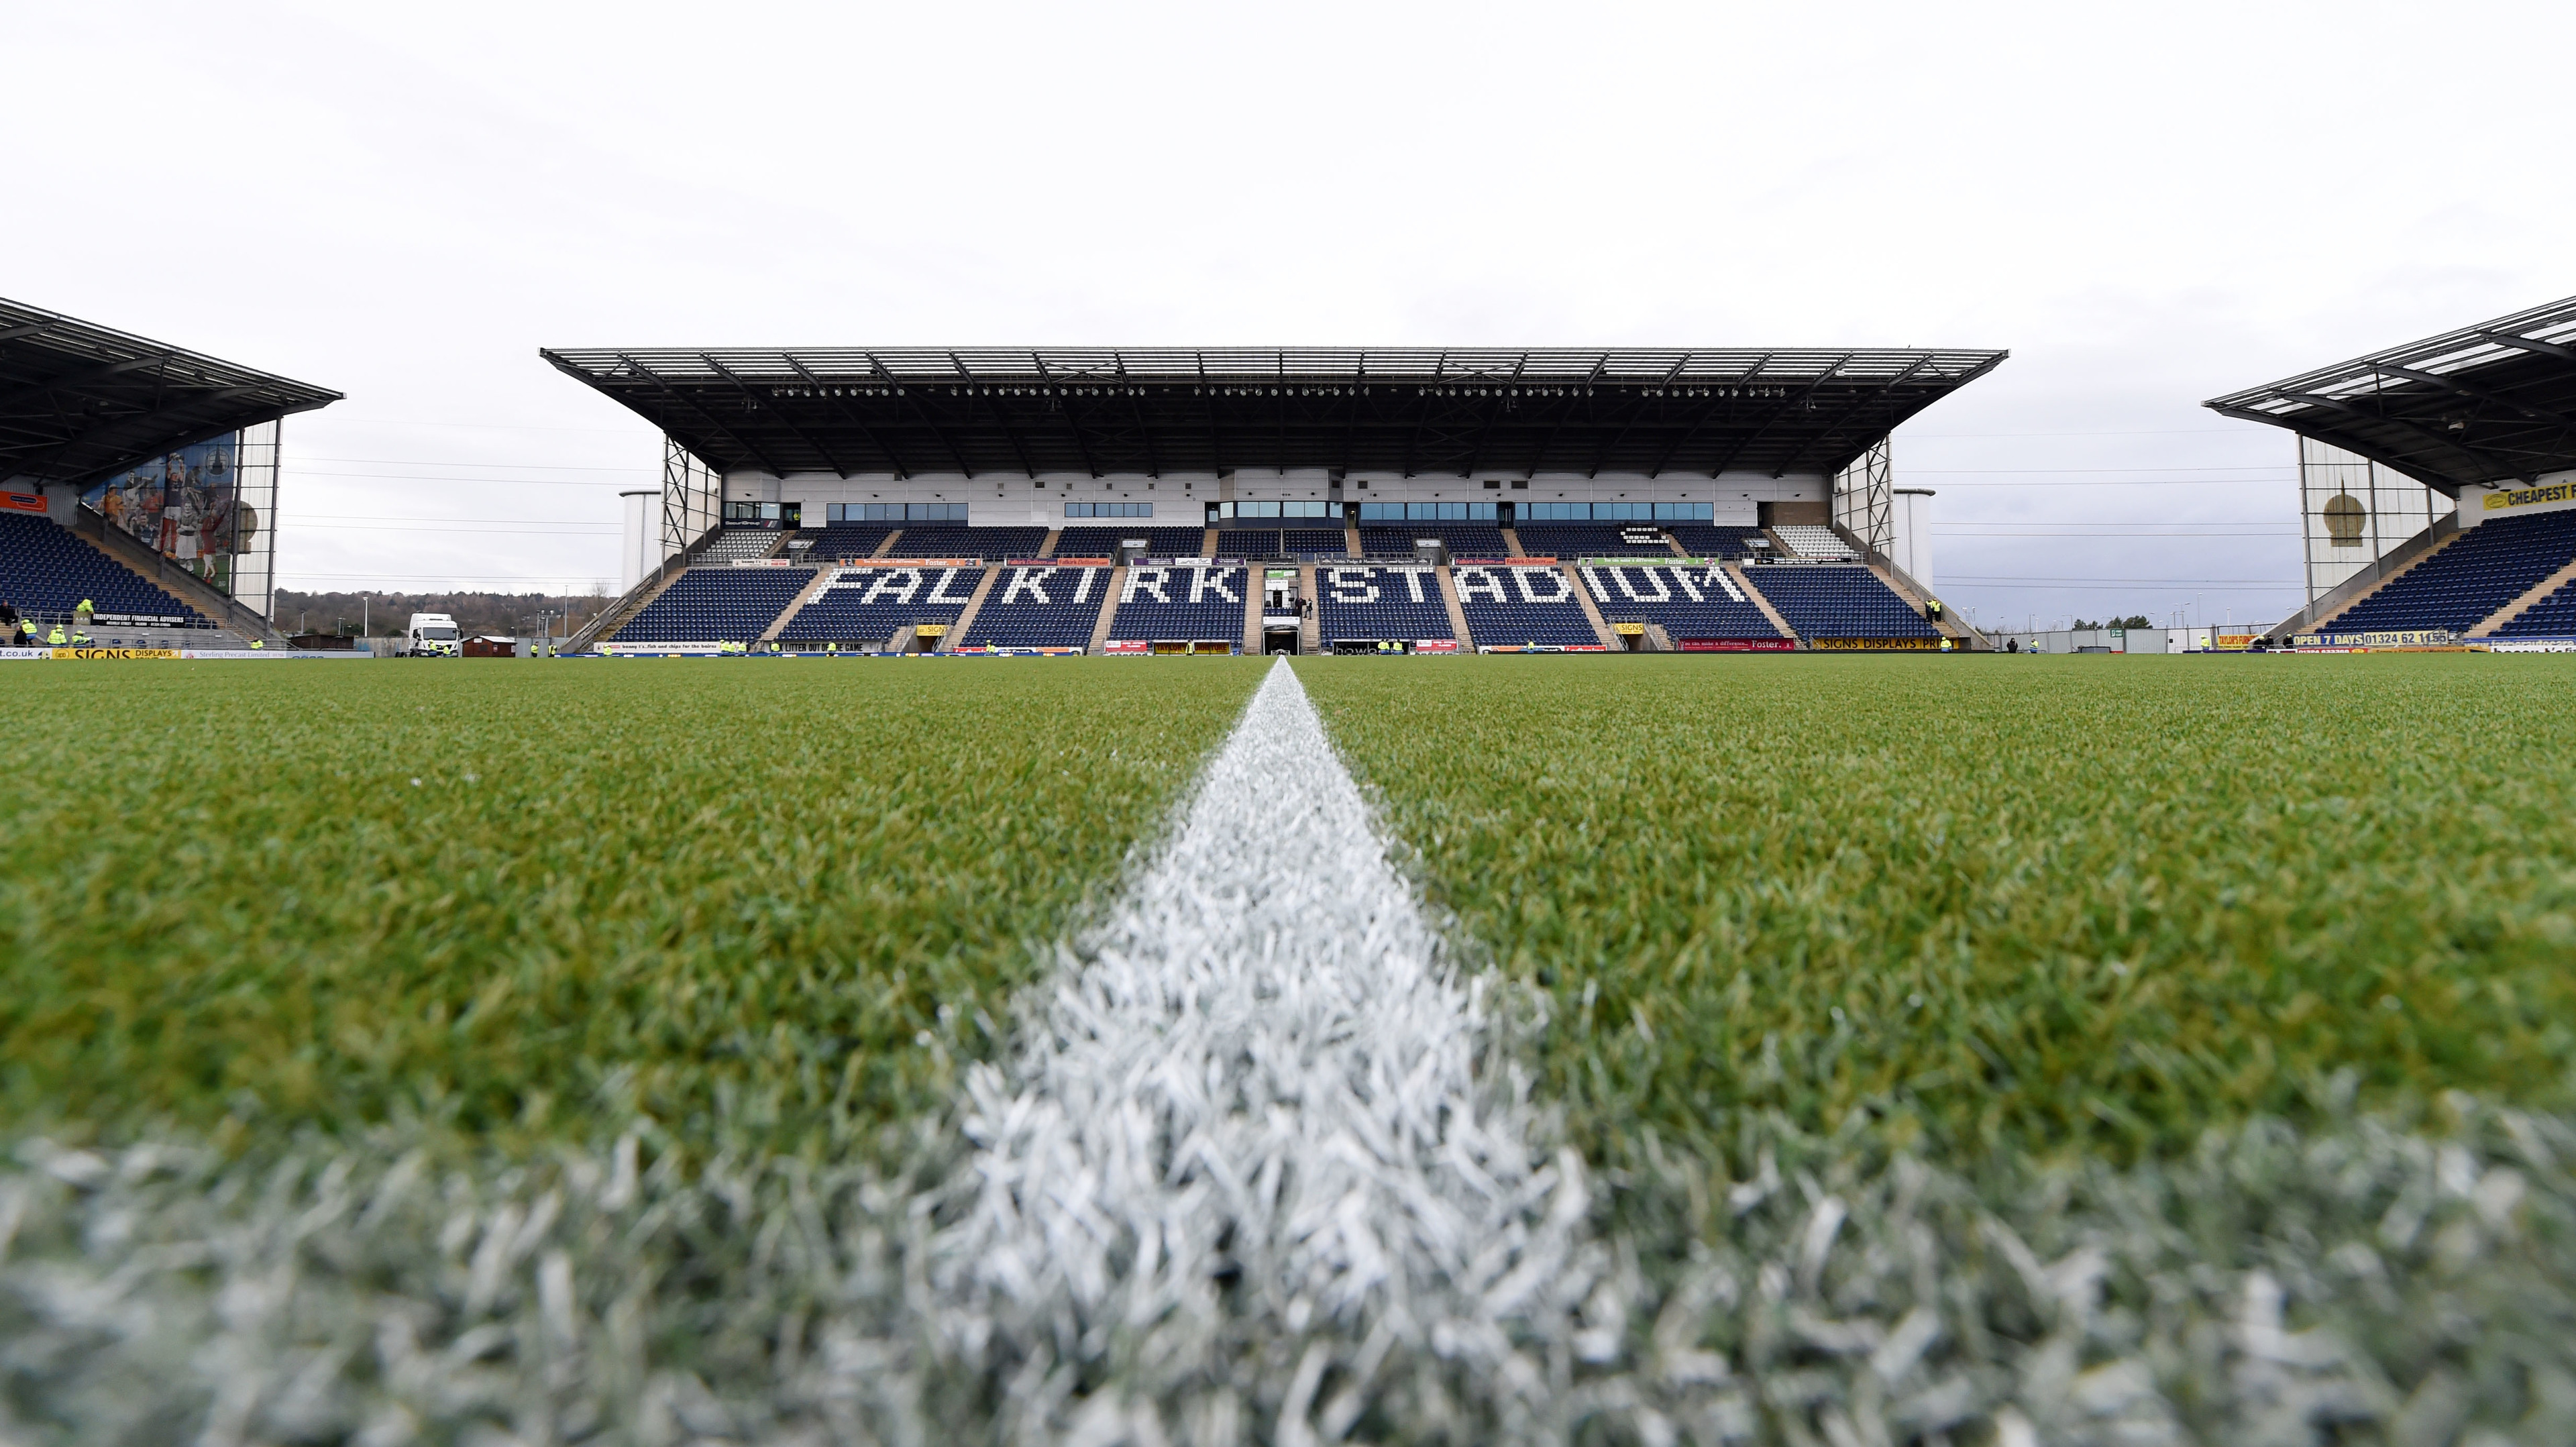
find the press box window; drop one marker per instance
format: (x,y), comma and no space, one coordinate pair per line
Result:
(1109,509)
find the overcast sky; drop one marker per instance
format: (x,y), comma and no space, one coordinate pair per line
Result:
(2147,205)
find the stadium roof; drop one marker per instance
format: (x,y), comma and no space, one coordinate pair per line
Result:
(77,400)
(2484,404)
(1101,410)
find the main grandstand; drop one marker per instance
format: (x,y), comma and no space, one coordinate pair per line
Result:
(1289,500)
(138,478)
(2437,487)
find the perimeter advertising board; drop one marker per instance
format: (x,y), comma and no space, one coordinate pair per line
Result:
(2385,638)
(1735,645)
(1876,645)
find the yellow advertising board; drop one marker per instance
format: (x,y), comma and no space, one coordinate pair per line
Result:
(69,653)
(2506,498)
(1876,645)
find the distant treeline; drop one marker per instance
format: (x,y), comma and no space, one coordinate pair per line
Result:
(511,614)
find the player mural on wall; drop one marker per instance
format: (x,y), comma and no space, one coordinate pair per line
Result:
(182,504)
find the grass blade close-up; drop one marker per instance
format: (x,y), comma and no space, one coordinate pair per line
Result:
(766,908)
(2002,904)
(1789,1050)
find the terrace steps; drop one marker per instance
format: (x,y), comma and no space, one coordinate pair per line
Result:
(217,606)
(777,628)
(1512,542)
(886,549)
(1310,627)
(2515,609)
(1897,583)
(975,604)
(1736,571)
(1047,549)
(1351,537)
(1252,611)
(1207,543)
(1591,609)
(1457,611)
(2326,624)
(1108,610)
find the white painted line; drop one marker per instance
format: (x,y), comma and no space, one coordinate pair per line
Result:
(1247,1133)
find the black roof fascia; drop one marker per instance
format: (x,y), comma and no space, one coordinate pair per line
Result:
(2487,404)
(1148,411)
(79,401)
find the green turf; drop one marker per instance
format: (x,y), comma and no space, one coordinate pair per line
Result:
(2009,902)
(771,904)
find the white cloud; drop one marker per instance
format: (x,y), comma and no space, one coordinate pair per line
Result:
(2148,205)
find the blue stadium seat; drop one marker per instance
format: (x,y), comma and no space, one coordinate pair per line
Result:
(1837,600)
(2478,572)
(2554,616)
(1523,605)
(717,605)
(867,607)
(1102,541)
(1040,608)
(1181,604)
(1710,540)
(1592,540)
(1373,603)
(955,540)
(1465,540)
(1687,602)
(836,541)
(45,572)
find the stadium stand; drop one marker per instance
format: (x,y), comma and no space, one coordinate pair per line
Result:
(1535,605)
(736,544)
(1706,540)
(1686,602)
(949,540)
(867,607)
(1828,600)
(1366,604)
(835,541)
(1302,544)
(45,572)
(1592,540)
(1466,540)
(2479,572)
(717,605)
(1040,608)
(1183,604)
(1308,544)
(1808,540)
(2554,616)
(1102,542)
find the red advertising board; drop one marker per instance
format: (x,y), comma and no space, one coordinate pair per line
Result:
(1435,645)
(1735,645)
(22,501)
(1128,645)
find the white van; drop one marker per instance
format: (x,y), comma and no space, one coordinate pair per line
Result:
(431,635)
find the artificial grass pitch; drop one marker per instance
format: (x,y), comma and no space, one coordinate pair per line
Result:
(2027,905)
(769,906)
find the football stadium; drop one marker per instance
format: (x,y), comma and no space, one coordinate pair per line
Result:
(1059,501)
(1121,896)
